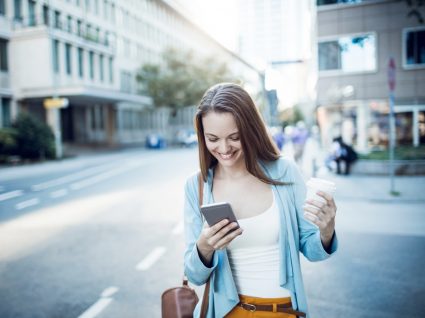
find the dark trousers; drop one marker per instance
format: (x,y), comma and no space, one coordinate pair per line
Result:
(347,165)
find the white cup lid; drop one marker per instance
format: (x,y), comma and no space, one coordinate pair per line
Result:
(321,184)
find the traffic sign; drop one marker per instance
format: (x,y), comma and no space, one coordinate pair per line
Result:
(55,103)
(391,74)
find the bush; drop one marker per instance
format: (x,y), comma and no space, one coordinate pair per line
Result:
(34,139)
(7,143)
(400,153)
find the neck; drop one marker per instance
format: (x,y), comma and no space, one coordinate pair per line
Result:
(234,172)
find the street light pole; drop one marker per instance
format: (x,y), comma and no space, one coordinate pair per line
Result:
(391,85)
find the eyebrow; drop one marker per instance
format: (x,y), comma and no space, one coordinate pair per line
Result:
(212,135)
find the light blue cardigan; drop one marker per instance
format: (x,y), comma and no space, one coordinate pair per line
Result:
(296,235)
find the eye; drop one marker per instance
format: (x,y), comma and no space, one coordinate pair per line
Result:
(212,139)
(236,138)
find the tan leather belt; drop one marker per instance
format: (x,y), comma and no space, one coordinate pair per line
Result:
(286,308)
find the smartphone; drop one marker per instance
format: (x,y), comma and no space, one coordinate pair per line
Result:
(216,212)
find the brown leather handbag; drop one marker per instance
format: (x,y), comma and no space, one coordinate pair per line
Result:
(180,302)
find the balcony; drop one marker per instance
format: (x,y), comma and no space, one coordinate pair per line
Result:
(62,25)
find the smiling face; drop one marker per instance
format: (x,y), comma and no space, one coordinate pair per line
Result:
(222,138)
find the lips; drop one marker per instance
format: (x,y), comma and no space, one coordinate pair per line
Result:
(226,156)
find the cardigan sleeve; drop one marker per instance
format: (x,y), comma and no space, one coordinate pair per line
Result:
(309,235)
(194,268)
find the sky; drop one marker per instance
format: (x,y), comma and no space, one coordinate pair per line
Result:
(217,17)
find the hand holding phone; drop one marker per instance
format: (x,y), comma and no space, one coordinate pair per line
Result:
(223,228)
(216,212)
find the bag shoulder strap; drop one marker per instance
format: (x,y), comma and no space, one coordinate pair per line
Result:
(205,297)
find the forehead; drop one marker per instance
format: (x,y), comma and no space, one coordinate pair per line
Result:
(219,123)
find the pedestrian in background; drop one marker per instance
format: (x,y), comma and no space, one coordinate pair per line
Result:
(254,270)
(299,137)
(343,153)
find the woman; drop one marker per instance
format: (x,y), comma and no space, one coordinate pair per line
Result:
(257,264)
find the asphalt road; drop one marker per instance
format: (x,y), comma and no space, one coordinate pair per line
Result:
(102,237)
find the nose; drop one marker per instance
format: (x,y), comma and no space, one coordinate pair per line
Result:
(224,146)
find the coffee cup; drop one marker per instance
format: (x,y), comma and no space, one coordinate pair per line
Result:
(315,184)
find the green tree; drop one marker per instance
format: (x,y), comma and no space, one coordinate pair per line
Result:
(183,78)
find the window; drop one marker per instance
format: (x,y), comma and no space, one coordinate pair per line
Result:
(57,20)
(106,40)
(105,9)
(101,73)
(414,47)
(96,6)
(87,5)
(17,10)
(55,56)
(31,12)
(45,14)
(326,2)
(5,112)
(3,56)
(69,24)
(68,58)
(88,31)
(91,62)
(113,13)
(79,28)
(126,82)
(80,62)
(2,7)
(111,70)
(348,54)
(93,118)
(101,117)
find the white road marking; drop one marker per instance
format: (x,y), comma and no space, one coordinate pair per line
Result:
(101,304)
(103,176)
(58,193)
(151,258)
(11,194)
(178,229)
(96,308)
(27,203)
(69,178)
(108,292)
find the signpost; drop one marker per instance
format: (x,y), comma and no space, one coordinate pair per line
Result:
(53,106)
(391,86)
(50,103)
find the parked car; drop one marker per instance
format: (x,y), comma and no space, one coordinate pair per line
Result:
(155,141)
(187,138)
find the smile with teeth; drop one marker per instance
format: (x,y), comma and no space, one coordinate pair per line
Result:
(226,156)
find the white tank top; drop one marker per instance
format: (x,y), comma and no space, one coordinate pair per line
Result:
(254,256)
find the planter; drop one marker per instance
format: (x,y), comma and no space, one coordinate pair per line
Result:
(382,167)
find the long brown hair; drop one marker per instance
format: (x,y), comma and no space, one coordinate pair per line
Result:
(256,142)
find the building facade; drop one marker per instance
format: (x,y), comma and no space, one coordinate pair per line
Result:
(356,40)
(89,51)
(279,37)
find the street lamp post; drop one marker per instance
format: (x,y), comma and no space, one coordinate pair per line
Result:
(391,85)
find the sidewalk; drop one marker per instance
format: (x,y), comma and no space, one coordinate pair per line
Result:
(362,187)
(377,188)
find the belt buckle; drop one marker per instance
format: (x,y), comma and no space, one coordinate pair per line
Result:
(249,307)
